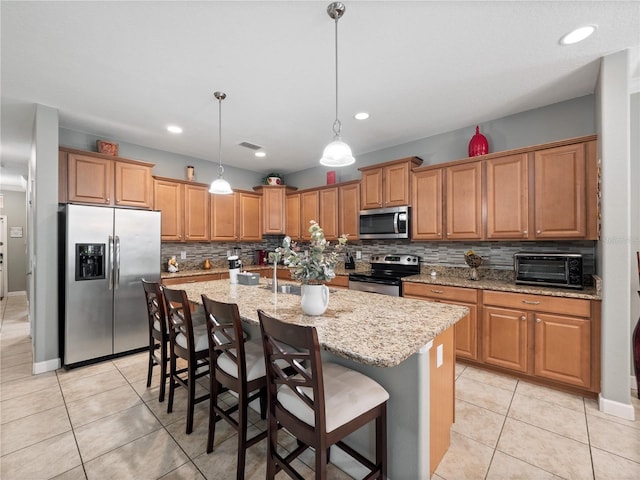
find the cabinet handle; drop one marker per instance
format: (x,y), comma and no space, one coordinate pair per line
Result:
(538,320)
(523,317)
(448,233)
(538,232)
(530,303)
(107,200)
(525,232)
(437,291)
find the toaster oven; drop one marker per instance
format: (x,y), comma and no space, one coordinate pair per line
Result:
(552,269)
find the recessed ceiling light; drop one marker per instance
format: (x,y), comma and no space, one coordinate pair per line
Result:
(260,154)
(174,129)
(361,116)
(578,35)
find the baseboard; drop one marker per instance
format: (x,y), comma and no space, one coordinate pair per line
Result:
(622,410)
(46,366)
(16,294)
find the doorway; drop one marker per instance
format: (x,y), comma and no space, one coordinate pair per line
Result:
(3,257)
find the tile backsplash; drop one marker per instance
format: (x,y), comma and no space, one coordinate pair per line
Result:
(496,255)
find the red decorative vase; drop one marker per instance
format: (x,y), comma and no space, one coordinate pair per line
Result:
(478,144)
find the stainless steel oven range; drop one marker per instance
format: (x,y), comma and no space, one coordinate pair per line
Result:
(386,274)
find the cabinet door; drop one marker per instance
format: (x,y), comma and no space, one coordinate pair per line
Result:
(309,210)
(168,198)
(464,201)
(508,197)
(224,217)
(396,185)
(371,189)
(329,212)
(250,214)
(560,192)
(563,349)
(292,209)
(467,333)
(196,207)
(273,215)
(349,211)
(90,179)
(504,333)
(133,185)
(426,212)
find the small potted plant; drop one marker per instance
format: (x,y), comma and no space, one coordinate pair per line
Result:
(313,267)
(273,179)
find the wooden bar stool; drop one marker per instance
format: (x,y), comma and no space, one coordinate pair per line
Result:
(236,365)
(319,404)
(190,343)
(158,333)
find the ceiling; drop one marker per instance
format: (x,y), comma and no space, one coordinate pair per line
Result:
(124,71)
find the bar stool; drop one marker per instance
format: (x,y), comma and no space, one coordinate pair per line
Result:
(190,343)
(158,333)
(319,404)
(236,365)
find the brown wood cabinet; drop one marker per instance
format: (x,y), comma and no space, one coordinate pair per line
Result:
(94,178)
(466,330)
(329,212)
(552,338)
(309,210)
(464,201)
(185,209)
(560,192)
(292,209)
(426,214)
(224,217)
(273,208)
(387,184)
(349,209)
(192,279)
(250,216)
(507,197)
(442,396)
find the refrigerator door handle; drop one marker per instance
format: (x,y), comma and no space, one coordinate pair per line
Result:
(117,268)
(110,269)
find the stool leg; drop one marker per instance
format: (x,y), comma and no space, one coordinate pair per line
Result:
(213,402)
(172,384)
(242,433)
(192,395)
(151,363)
(163,372)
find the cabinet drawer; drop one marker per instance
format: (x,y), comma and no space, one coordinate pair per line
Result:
(339,281)
(539,303)
(458,294)
(191,279)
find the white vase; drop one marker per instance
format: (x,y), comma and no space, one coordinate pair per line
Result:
(315,299)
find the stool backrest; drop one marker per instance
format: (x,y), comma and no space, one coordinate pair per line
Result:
(295,346)
(179,317)
(156,311)
(226,337)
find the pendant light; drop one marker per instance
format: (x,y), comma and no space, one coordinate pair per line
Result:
(337,153)
(220,186)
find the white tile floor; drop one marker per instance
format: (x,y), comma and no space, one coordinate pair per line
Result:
(101,422)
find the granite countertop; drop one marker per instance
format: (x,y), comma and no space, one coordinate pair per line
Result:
(589,293)
(371,329)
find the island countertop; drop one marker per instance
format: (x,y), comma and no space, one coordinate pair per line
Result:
(368,328)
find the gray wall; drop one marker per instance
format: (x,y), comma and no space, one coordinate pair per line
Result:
(167,164)
(572,118)
(615,244)
(15,208)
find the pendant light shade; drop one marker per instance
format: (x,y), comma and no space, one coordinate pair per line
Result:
(220,186)
(337,153)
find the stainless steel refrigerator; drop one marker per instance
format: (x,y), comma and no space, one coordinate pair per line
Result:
(104,252)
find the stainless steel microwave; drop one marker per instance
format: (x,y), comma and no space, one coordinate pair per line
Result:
(383,223)
(553,269)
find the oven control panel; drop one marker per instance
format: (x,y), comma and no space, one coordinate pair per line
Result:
(396,259)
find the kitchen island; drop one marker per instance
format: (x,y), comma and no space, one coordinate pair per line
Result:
(386,338)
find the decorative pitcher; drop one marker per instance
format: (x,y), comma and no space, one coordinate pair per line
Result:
(315,299)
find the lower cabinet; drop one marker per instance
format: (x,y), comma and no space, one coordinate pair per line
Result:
(466,330)
(192,278)
(551,338)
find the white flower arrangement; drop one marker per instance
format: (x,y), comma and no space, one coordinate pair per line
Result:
(318,265)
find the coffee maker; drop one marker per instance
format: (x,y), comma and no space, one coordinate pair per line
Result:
(260,257)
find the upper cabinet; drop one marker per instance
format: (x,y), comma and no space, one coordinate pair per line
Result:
(464,201)
(236,217)
(388,184)
(274,215)
(185,209)
(94,178)
(292,212)
(507,197)
(328,218)
(309,210)
(543,192)
(250,216)
(349,209)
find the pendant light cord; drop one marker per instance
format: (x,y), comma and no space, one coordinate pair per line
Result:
(220,167)
(337,125)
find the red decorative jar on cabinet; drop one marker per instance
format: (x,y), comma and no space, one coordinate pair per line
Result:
(478,144)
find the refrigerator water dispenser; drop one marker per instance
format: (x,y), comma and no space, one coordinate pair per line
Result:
(90,260)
